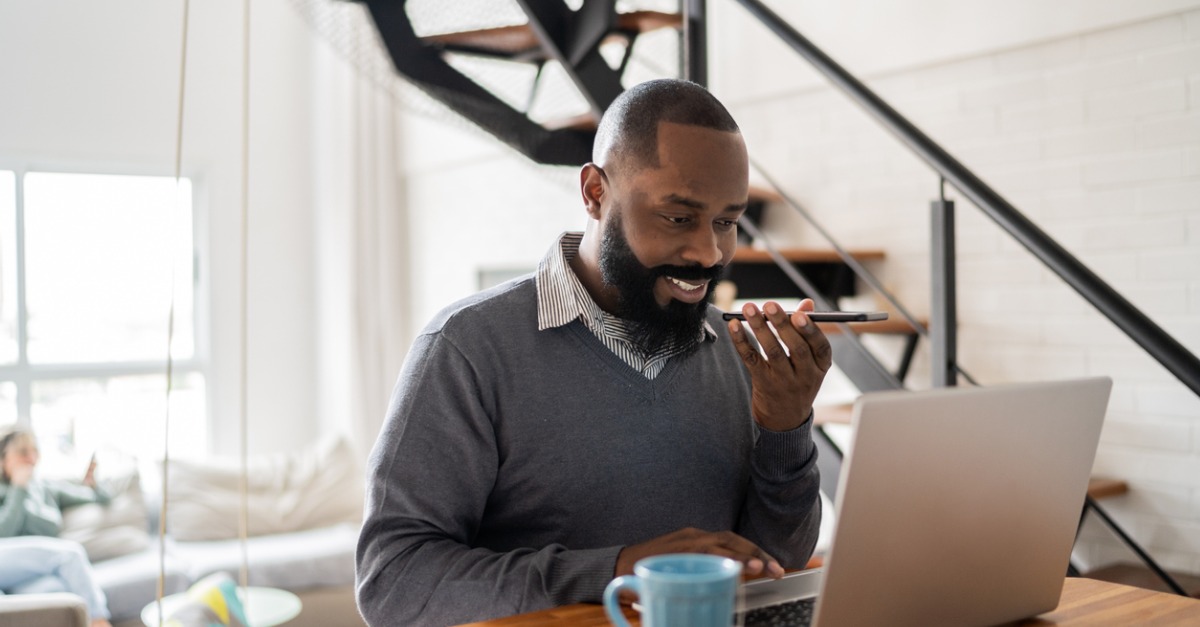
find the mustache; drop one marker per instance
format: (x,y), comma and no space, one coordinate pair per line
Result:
(685,273)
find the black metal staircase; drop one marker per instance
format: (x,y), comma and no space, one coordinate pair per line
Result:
(554,32)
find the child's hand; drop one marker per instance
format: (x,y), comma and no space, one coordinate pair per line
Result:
(89,478)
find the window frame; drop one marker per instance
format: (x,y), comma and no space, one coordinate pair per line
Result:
(24,374)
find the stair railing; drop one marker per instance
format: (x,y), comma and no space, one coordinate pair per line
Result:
(1135,324)
(944,312)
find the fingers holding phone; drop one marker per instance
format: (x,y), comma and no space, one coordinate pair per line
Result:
(788,370)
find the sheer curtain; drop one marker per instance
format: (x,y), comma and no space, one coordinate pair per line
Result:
(361,250)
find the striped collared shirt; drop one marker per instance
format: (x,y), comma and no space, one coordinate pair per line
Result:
(563,299)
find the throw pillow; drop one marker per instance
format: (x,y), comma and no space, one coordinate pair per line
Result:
(316,487)
(211,602)
(107,531)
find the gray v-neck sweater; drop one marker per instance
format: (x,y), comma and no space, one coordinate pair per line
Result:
(515,464)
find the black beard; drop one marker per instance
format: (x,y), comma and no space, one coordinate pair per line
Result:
(651,326)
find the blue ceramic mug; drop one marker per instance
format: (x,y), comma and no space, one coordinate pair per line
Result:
(678,590)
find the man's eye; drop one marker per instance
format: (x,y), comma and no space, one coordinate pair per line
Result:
(677,220)
(726,224)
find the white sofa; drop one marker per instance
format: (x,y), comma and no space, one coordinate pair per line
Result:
(304,512)
(55,609)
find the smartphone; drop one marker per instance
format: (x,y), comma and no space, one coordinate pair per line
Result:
(828,316)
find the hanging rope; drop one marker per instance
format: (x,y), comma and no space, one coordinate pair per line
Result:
(244,518)
(243,523)
(162,513)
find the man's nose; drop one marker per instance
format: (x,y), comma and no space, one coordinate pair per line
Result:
(703,248)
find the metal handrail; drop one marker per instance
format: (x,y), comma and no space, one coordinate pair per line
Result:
(1151,337)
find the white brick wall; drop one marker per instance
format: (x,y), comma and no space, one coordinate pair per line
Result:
(1076,79)
(1134,38)
(1095,137)
(1171,197)
(1140,101)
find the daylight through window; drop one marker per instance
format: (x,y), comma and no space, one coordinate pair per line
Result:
(87,265)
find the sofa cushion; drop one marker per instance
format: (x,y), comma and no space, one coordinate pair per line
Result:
(313,488)
(106,531)
(293,561)
(39,610)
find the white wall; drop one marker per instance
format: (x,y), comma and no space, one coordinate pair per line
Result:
(95,85)
(475,204)
(869,37)
(1085,115)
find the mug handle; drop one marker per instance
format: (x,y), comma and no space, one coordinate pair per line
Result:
(612,603)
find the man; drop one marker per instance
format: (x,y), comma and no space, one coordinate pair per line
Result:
(546,434)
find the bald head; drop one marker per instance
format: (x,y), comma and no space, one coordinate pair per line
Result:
(628,132)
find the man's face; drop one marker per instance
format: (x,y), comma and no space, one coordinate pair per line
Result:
(653,326)
(668,231)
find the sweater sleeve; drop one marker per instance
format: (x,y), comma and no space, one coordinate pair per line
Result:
(70,494)
(12,510)
(430,477)
(29,511)
(782,512)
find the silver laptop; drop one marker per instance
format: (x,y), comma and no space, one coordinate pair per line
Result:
(955,506)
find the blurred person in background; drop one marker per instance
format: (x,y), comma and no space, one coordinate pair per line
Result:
(32,558)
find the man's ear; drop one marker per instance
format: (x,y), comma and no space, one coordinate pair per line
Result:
(591,188)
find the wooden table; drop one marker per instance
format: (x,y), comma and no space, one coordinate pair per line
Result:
(1084,602)
(1092,602)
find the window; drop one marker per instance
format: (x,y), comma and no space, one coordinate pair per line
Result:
(87,265)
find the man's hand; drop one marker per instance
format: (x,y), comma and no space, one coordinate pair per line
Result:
(787,379)
(755,561)
(19,474)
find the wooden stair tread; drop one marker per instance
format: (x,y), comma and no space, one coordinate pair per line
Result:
(764,194)
(581,122)
(833,414)
(519,39)
(1103,487)
(512,40)
(804,255)
(891,326)
(646,21)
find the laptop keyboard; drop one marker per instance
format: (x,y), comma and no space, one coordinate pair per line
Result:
(798,613)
